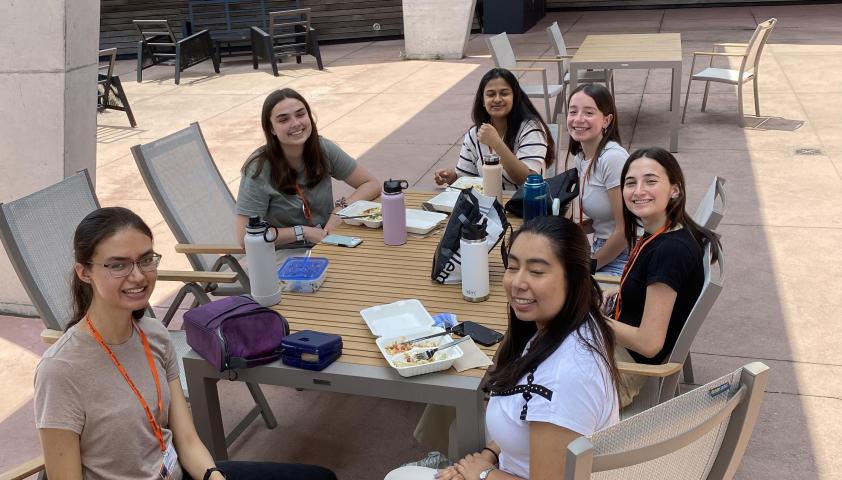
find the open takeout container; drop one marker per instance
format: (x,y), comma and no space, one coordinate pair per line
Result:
(359,208)
(404,320)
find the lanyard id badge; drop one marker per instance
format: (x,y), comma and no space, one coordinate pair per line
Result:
(169,464)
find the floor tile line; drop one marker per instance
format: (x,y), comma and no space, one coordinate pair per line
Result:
(800,227)
(782,360)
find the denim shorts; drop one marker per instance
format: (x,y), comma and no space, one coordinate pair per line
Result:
(615,267)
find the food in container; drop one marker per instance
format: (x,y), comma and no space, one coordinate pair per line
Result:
(302,274)
(362,212)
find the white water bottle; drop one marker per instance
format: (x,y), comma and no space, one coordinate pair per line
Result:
(473,252)
(260,255)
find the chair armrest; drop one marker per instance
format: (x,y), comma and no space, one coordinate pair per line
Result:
(192,38)
(730,45)
(542,59)
(565,56)
(527,69)
(24,470)
(209,248)
(719,54)
(664,370)
(197,277)
(572,47)
(50,336)
(603,278)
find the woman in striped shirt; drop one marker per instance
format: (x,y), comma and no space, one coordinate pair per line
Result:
(505,123)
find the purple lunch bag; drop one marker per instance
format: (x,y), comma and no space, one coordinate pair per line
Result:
(235,332)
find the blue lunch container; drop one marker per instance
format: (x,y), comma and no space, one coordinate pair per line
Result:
(302,274)
(311,350)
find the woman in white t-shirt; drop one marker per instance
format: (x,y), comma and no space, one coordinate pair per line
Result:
(505,123)
(597,154)
(555,377)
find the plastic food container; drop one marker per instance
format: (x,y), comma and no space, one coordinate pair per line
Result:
(302,274)
(405,320)
(422,222)
(311,350)
(467,182)
(359,208)
(441,360)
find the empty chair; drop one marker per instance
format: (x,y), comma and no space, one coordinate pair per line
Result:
(37,232)
(504,57)
(589,76)
(748,69)
(158,46)
(110,93)
(289,35)
(195,202)
(701,434)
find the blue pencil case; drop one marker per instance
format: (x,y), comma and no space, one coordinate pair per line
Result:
(311,350)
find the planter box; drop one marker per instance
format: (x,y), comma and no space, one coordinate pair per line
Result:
(436,29)
(512,16)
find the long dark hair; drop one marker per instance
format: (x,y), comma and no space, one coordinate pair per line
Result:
(97,226)
(676,208)
(570,246)
(283,176)
(605,104)
(522,110)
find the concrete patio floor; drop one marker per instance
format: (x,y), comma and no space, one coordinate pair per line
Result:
(403,119)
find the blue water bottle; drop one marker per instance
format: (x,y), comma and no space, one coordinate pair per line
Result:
(534,197)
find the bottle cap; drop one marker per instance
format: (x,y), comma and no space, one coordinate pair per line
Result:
(475,231)
(491,159)
(394,186)
(534,178)
(254,222)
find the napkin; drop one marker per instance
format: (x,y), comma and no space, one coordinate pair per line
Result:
(473,357)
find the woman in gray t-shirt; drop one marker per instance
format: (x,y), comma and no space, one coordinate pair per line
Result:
(287,181)
(595,147)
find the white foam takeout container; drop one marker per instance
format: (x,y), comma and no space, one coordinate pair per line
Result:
(407,319)
(446,200)
(417,221)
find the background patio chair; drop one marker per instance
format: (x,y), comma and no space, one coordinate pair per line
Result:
(37,232)
(504,57)
(588,76)
(290,35)
(701,434)
(749,66)
(158,46)
(195,202)
(110,93)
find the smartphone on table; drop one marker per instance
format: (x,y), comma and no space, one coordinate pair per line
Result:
(342,240)
(480,333)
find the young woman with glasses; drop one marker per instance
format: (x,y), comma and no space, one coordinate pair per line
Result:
(287,181)
(108,399)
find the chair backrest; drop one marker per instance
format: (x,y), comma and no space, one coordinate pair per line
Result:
(501,51)
(755,45)
(556,39)
(227,16)
(288,30)
(104,73)
(189,191)
(156,33)
(711,209)
(701,434)
(37,231)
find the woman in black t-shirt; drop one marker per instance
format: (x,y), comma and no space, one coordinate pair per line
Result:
(664,275)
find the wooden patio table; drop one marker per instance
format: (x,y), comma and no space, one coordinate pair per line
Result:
(370,274)
(648,50)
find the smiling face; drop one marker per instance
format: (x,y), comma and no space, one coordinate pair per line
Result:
(647,191)
(585,121)
(498,98)
(535,281)
(128,293)
(291,122)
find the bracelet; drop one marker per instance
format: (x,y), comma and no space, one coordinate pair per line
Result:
(496,457)
(210,471)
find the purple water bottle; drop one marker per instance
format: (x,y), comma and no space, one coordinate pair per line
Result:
(394,212)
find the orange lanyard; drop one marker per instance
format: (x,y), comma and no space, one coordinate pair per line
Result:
(305,205)
(638,246)
(156,429)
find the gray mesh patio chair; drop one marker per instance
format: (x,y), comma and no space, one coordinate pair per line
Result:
(110,93)
(662,381)
(158,46)
(195,202)
(702,434)
(504,57)
(749,66)
(37,232)
(589,76)
(289,35)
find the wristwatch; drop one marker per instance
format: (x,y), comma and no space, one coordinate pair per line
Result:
(485,473)
(299,233)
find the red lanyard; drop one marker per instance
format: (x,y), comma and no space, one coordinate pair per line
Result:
(156,429)
(305,205)
(638,246)
(584,182)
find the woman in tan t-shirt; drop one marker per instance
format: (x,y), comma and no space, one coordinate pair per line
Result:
(108,399)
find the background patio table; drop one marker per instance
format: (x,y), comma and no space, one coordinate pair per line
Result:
(648,50)
(357,278)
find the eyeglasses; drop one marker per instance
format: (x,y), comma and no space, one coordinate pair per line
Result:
(122,269)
